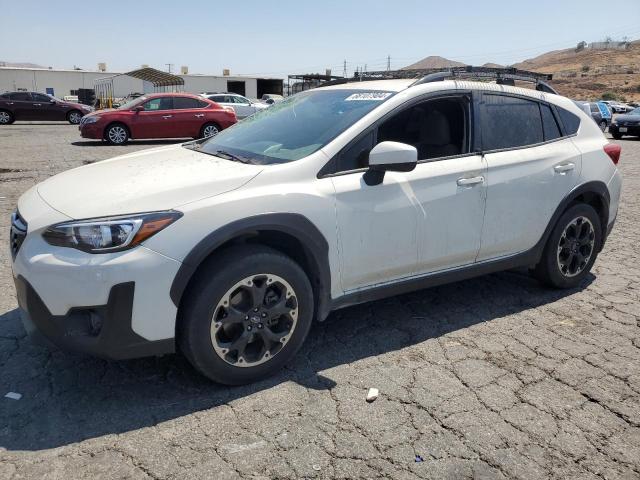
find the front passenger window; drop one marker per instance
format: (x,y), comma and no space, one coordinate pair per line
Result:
(156,104)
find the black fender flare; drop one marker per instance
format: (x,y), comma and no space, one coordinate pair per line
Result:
(293,224)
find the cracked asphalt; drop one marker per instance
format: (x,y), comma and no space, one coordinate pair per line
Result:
(489,378)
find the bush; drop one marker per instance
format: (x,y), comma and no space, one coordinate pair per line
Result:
(585,68)
(609,96)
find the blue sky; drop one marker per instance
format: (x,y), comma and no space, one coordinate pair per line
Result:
(251,37)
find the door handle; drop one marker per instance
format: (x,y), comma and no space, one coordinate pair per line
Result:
(9,103)
(37,104)
(467,182)
(167,116)
(564,168)
(199,115)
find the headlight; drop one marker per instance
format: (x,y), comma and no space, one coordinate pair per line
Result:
(86,120)
(110,234)
(86,108)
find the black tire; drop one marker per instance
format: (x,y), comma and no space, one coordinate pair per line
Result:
(74,117)
(6,117)
(616,136)
(116,134)
(554,269)
(220,275)
(207,128)
(603,125)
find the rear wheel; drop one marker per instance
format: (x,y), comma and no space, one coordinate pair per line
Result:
(617,136)
(74,117)
(117,134)
(245,315)
(571,249)
(6,118)
(209,130)
(603,125)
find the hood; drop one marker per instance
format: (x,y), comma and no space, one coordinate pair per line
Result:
(77,106)
(627,118)
(157,179)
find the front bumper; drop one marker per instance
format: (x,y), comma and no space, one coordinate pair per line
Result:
(103,330)
(633,130)
(91,130)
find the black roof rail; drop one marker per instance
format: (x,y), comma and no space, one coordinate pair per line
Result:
(503,76)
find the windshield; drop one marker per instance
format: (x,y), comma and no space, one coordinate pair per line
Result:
(635,111)
(296,127)
(131,103)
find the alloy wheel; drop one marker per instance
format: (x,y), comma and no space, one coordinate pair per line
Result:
(75,117)
(576,246)
(117,134)
(5,117)
(210,131)
(254,320)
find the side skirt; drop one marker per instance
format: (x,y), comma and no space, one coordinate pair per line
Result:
(524,259)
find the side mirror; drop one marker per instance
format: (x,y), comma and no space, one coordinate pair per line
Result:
(52,101)
(138,109)
(390,156)
(270,101)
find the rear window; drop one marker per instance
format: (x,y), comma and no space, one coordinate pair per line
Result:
(186,102)
(570,121)
(510,122)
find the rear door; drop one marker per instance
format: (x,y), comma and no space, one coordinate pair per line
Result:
(188,116)
(531,168)
(156,121)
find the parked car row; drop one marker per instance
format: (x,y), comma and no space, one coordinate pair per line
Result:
(599,111)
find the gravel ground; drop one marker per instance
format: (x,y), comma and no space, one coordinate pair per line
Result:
(489,378)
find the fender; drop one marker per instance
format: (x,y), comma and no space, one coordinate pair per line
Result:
(316,251)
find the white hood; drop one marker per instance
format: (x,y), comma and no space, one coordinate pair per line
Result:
(157,179)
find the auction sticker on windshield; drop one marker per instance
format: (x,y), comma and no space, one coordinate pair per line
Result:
(368,96)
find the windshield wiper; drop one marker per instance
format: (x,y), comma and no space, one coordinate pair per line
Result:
(230,156)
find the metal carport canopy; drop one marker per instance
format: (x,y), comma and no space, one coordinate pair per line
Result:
(156,77)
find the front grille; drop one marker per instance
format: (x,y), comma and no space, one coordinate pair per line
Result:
(17,234)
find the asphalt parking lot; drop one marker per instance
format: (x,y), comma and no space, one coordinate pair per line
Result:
(494,377)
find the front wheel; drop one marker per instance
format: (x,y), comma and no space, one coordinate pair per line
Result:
(571,249)
(245,315)
(74,117)
(117,134)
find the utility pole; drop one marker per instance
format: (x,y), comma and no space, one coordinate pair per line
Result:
(388,62)
(169,65)
(344,69)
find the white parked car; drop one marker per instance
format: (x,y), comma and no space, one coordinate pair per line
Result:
(228,248)
(242,105)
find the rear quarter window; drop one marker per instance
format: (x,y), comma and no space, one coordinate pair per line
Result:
(570,121)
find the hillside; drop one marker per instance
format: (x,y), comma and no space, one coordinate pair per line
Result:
(434,62)
(587,74)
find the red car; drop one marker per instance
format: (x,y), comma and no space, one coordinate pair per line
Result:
(161,115)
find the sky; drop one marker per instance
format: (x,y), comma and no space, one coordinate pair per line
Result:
(275,39)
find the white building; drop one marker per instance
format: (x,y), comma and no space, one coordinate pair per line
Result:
(67,82)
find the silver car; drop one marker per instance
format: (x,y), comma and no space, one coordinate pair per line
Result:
(242,105)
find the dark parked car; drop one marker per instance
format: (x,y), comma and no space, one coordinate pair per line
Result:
(600,114)
(161,115)
(627,124)
(38,106)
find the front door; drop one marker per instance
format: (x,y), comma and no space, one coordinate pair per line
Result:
(417,222)
(156,120)
(46,110)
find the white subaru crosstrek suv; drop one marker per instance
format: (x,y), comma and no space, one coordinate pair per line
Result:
(228,248)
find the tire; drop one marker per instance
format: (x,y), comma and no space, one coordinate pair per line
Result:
(243,277)
(74,117)
(117,134)
(571,249)
(616,136)
(603,125)
(209,130)
(6,117)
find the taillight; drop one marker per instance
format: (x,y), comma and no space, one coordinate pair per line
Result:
(613,151)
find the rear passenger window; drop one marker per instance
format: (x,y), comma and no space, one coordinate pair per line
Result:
(21,96)
(549,124)
(180,103)
(570,121)
(510,122)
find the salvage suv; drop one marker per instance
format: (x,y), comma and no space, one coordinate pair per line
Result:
(228,248)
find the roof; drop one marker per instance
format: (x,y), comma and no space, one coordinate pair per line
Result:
(157,77)
(396,85)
